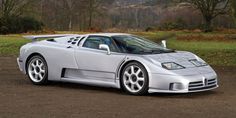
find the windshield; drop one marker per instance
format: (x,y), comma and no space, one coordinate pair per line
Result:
(137,45)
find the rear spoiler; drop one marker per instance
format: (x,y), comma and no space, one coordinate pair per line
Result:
(35,37)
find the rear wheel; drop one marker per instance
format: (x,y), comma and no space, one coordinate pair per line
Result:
(134,79)
(37,70)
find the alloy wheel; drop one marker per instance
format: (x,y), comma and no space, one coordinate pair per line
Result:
(37,70)
(133,78)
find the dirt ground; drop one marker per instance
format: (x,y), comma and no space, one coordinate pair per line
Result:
(19,98)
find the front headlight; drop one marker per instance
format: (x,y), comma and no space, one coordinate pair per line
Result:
(172,66)
(198,63)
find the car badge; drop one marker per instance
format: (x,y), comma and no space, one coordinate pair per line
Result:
(205,82)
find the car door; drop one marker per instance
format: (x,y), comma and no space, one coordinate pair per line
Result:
(96,64)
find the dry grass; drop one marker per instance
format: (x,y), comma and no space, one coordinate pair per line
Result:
(201,37)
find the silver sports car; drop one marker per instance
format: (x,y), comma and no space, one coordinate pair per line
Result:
(125,61)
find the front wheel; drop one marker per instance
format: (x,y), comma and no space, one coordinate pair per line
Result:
(134,79)
(37,70)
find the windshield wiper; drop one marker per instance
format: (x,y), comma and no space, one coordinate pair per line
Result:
(155,51)
(145,52)
(162,51)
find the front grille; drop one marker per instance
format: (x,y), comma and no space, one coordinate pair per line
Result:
(211,82)
(201,85)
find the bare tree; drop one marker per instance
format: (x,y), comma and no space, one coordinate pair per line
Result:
(70,11)
(210,9)
(92,9)
(13,7)
(65,12)
(233,9)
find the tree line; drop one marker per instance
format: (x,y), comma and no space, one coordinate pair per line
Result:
(17,16)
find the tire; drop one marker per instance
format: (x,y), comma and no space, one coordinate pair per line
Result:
(134,79)
(37,70)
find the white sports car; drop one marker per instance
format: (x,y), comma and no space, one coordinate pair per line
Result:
(117,60)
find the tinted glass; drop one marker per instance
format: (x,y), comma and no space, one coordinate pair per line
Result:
(136,45)
(94,42)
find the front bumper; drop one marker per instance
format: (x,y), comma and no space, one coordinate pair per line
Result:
(183,84)
(20,64)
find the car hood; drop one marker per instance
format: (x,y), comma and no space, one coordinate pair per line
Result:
(179,57)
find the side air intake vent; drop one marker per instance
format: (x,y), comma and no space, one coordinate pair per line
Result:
(51,40)
(73,41)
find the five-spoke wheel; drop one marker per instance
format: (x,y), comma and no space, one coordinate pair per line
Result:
(134,79)
(37,70)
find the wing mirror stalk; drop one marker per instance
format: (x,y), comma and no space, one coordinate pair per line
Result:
(163,43)
(105,47)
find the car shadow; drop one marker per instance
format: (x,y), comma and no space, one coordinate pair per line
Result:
(69,85)
(120,92)
(184,95)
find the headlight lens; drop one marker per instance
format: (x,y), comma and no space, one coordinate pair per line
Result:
(198,63)
(172,66)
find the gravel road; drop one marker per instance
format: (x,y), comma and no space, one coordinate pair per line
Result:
(20,99)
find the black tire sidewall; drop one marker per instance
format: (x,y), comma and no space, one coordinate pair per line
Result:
(145,88)
(45,79)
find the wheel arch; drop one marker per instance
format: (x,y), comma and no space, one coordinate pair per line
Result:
(30,56)
(119,74)
(145,88)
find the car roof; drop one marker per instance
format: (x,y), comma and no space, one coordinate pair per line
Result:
(107,34)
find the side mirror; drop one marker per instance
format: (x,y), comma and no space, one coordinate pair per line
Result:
(105,47)
(163,43)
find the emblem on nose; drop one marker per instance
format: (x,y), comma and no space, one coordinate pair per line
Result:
(205,81)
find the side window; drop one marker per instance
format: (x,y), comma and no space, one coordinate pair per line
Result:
(94,42)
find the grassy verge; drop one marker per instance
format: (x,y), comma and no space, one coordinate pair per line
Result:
(213,47)
(10,44)
(216,53)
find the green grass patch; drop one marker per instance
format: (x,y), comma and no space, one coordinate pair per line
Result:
(10,44)
(215,52)
(211,46)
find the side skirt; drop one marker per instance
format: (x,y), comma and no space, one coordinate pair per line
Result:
(91,82)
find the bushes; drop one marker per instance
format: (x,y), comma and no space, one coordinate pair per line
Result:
(15,24)
(178,24)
